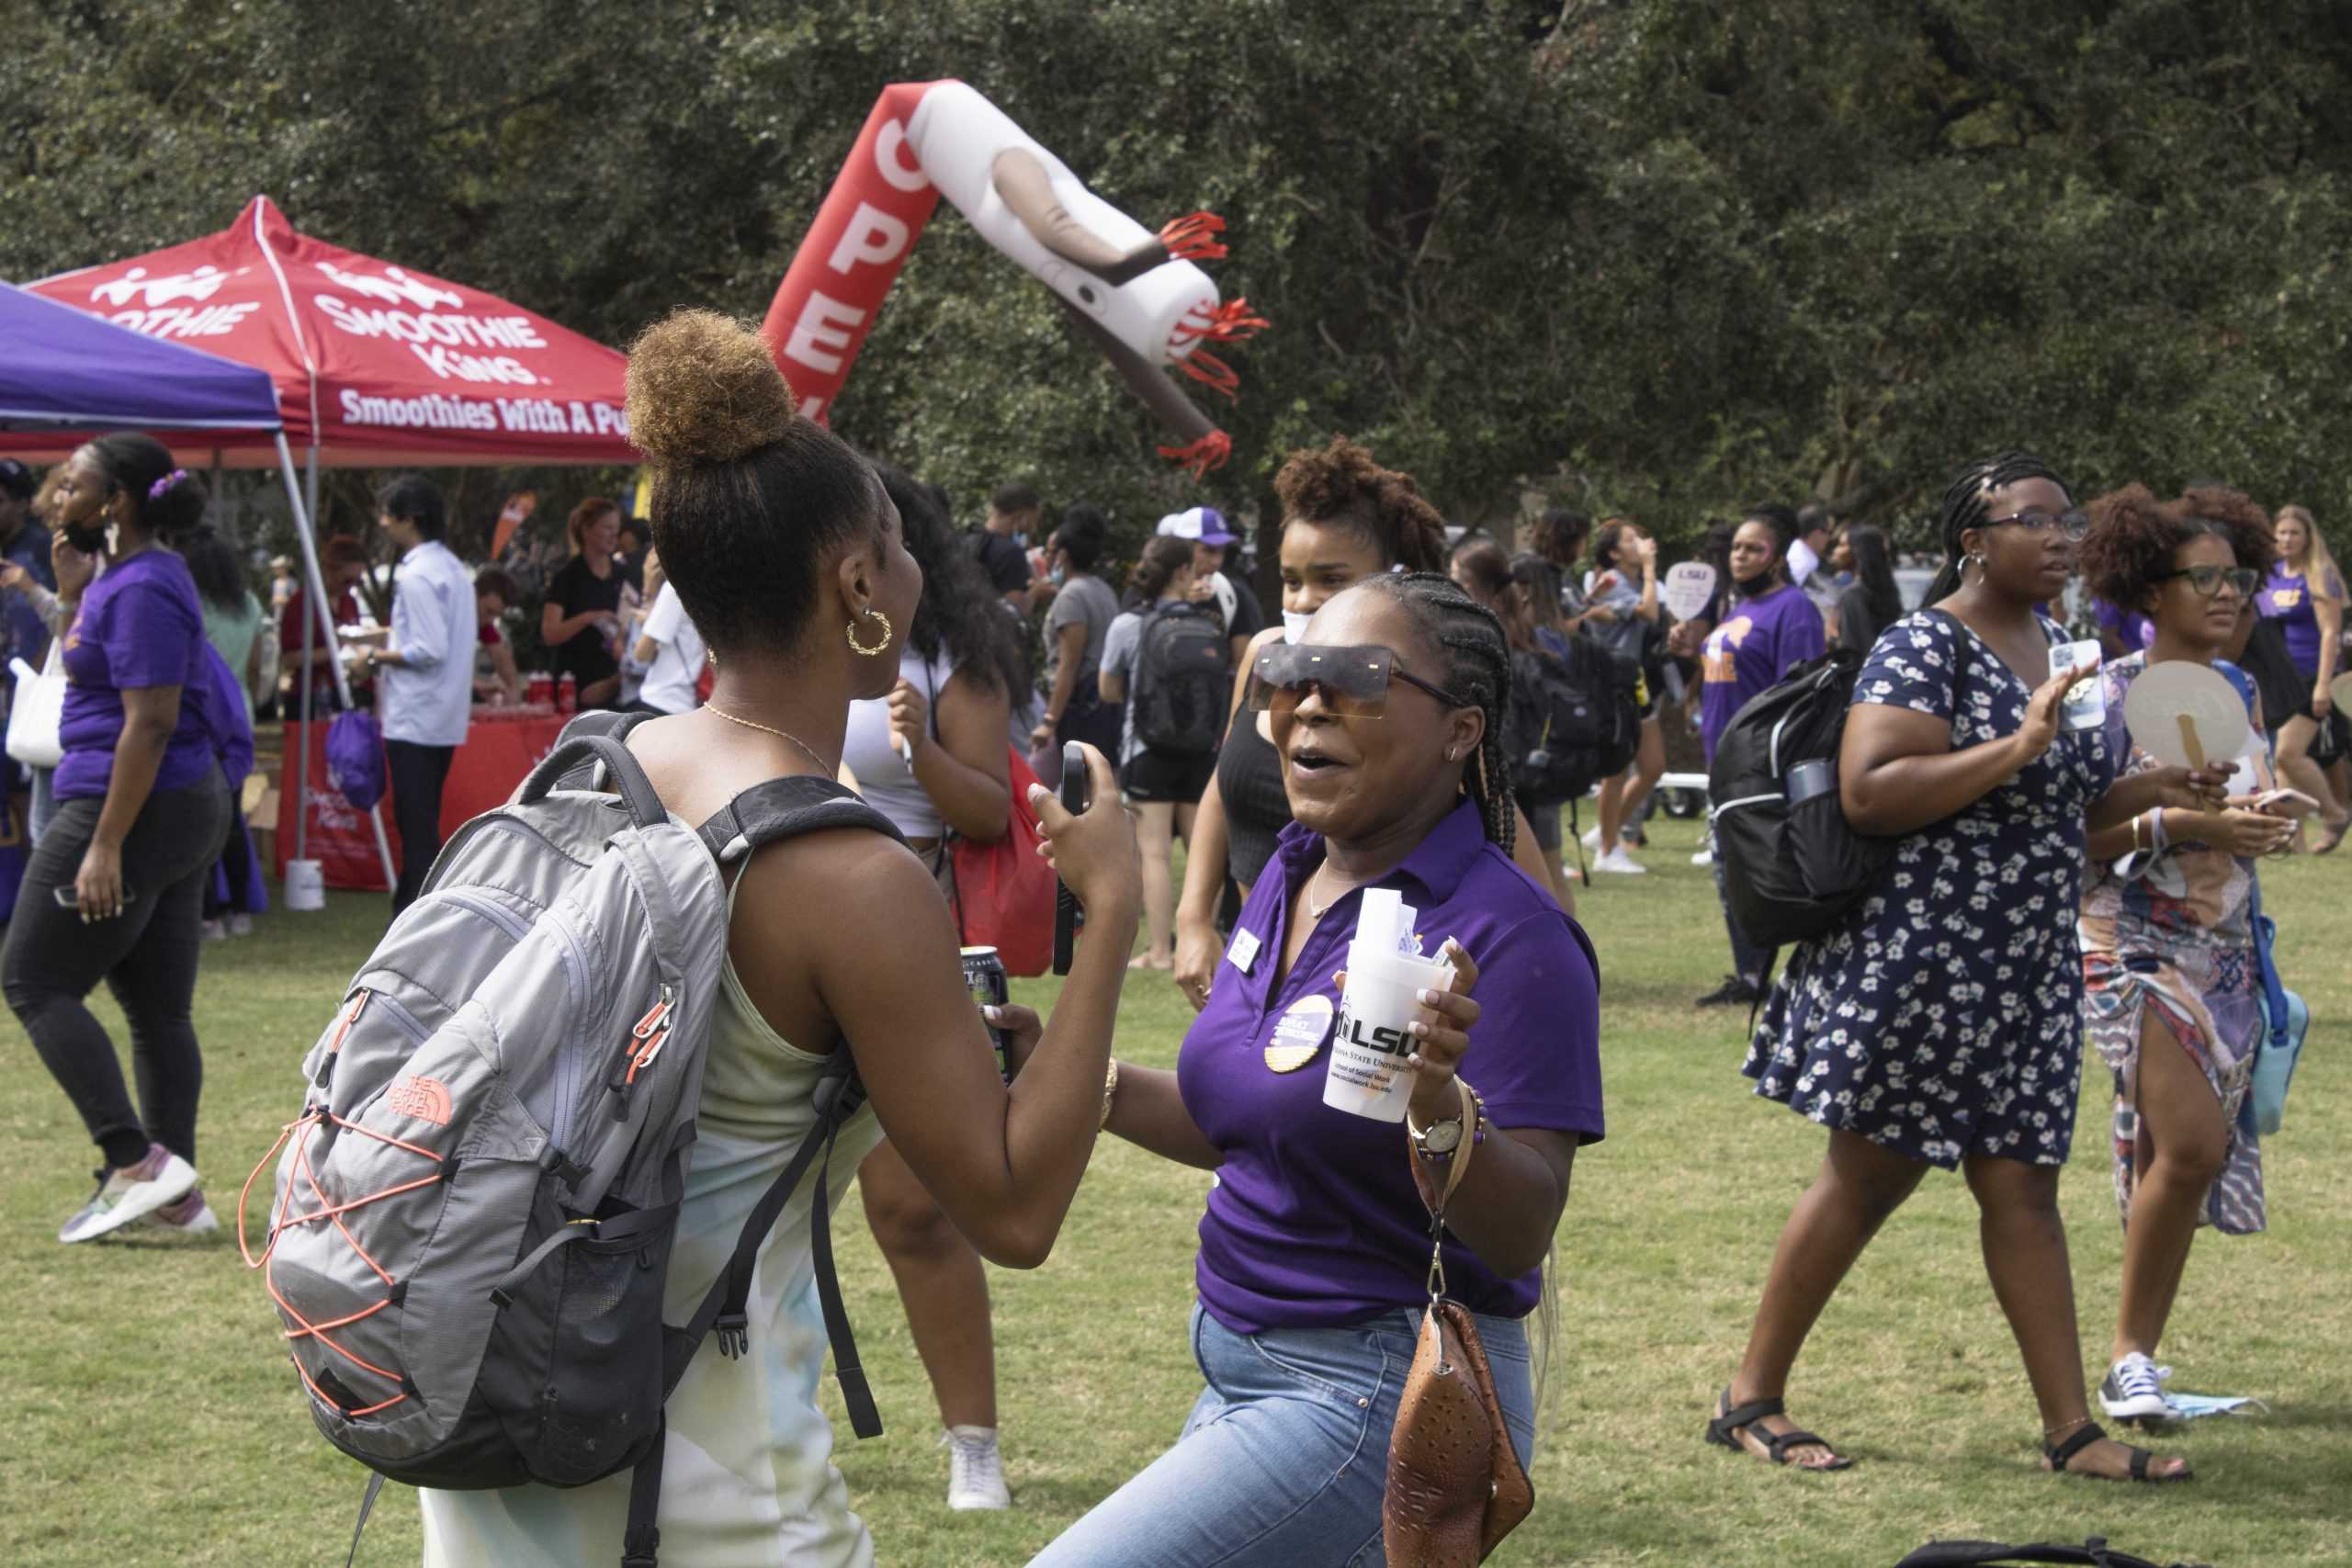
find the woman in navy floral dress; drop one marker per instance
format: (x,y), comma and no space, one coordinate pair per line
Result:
(1942,1026)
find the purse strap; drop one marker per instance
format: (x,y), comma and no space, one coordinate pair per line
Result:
(1455,1169)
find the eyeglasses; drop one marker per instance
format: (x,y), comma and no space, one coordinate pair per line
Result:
(2208,579)
(2075,524)
(1352,682)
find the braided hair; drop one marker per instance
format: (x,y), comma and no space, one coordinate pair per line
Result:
(1478,669)
(1965,507)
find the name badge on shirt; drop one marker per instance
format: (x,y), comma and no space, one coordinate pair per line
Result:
(1299,1034)
(1244,950)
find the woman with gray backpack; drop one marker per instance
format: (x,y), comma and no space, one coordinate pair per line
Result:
(577,1403)
(1166,662)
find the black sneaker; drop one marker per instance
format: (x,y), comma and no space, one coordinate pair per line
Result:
(1732,992)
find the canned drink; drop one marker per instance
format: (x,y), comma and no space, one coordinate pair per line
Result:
(984,977)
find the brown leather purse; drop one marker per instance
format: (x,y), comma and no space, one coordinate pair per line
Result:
(1455,1485)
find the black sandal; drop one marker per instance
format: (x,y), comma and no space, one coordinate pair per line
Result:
(1721,1431)
(2090,1432)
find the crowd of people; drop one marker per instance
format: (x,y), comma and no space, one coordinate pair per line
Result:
(793,607)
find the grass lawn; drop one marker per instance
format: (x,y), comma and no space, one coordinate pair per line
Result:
(147,1416)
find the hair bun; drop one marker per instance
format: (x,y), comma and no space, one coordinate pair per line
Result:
(703,389)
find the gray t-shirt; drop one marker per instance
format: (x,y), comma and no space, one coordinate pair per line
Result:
(1612,591)
(1083,601)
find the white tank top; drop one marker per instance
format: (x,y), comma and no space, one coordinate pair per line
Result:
(747,1480)
(884,777)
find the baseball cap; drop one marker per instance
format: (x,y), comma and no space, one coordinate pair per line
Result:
(16,480)
(1204,524)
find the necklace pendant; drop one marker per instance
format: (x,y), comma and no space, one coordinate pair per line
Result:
(1299,1034)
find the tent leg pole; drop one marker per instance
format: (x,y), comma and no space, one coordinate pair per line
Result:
(322,621)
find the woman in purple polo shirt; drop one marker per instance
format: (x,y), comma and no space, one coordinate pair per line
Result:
(1315,1248)
(143,811)
(1767,629)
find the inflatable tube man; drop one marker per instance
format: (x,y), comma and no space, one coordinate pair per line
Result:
(1135,293)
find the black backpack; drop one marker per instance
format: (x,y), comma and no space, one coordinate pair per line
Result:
(2094,1553)
(1183,682)
(1572,723)
(1794,868)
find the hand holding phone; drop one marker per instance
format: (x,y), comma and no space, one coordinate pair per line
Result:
(2292,804)
(1074,792)
(2084,705)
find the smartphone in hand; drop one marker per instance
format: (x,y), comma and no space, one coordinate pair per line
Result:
(66,896)
(2288,802)
(2084,705)
(1076,777)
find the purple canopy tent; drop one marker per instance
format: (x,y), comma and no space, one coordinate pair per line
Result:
(63,369)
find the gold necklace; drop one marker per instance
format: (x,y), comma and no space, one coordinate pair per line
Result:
(1315,910)
(771,729)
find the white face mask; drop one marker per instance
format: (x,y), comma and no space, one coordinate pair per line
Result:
(1293,626)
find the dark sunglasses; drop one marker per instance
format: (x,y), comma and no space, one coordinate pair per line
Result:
(2208,579)
(1353,681)
(2075,524)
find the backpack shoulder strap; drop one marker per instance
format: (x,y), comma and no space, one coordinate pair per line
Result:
(784,808)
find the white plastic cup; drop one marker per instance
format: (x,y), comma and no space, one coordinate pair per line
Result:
(1366,1075)
(306,884)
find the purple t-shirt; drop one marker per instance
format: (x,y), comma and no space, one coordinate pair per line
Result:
(2286,598)
(139,625)
(1761,640)
(2134,630)
(1314,1222)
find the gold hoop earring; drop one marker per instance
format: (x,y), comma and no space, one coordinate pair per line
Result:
(881,645)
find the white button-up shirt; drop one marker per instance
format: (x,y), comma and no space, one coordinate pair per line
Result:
(428,696)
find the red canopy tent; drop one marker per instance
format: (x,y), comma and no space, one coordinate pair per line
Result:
(377,366)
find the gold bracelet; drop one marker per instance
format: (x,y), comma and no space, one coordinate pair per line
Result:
(1110,1088)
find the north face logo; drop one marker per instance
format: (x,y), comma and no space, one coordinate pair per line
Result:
(427,1100)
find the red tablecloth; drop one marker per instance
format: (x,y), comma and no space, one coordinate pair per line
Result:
(498,755)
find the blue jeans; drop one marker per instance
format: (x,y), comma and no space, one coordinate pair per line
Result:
(1284,1460)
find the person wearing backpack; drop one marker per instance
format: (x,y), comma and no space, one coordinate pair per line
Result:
(1512,589)
(789,556)
(1769,628)
(1940,1026)
(2170,971)
(1166,662)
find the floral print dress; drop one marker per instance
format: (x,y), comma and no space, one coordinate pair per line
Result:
(1945,1019)
(2174,932)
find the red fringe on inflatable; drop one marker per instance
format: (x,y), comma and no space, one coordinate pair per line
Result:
(1193,237)
(1201,457)
(1229,323)
(1212,373)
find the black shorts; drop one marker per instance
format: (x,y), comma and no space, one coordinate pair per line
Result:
(1155,776)
(1544,817)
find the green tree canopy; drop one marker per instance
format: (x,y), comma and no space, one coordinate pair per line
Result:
(1644,256)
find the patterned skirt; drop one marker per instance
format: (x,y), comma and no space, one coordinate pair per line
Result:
(2207,998)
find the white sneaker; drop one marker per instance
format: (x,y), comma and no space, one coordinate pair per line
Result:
(191,1216)
(974,1468)
(1592,839)
(2133,1390)
(126,1194)
(1617,861)
(241,925)
(214,930)
(1704,857)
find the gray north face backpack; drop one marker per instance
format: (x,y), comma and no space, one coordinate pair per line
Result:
(470,1235)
